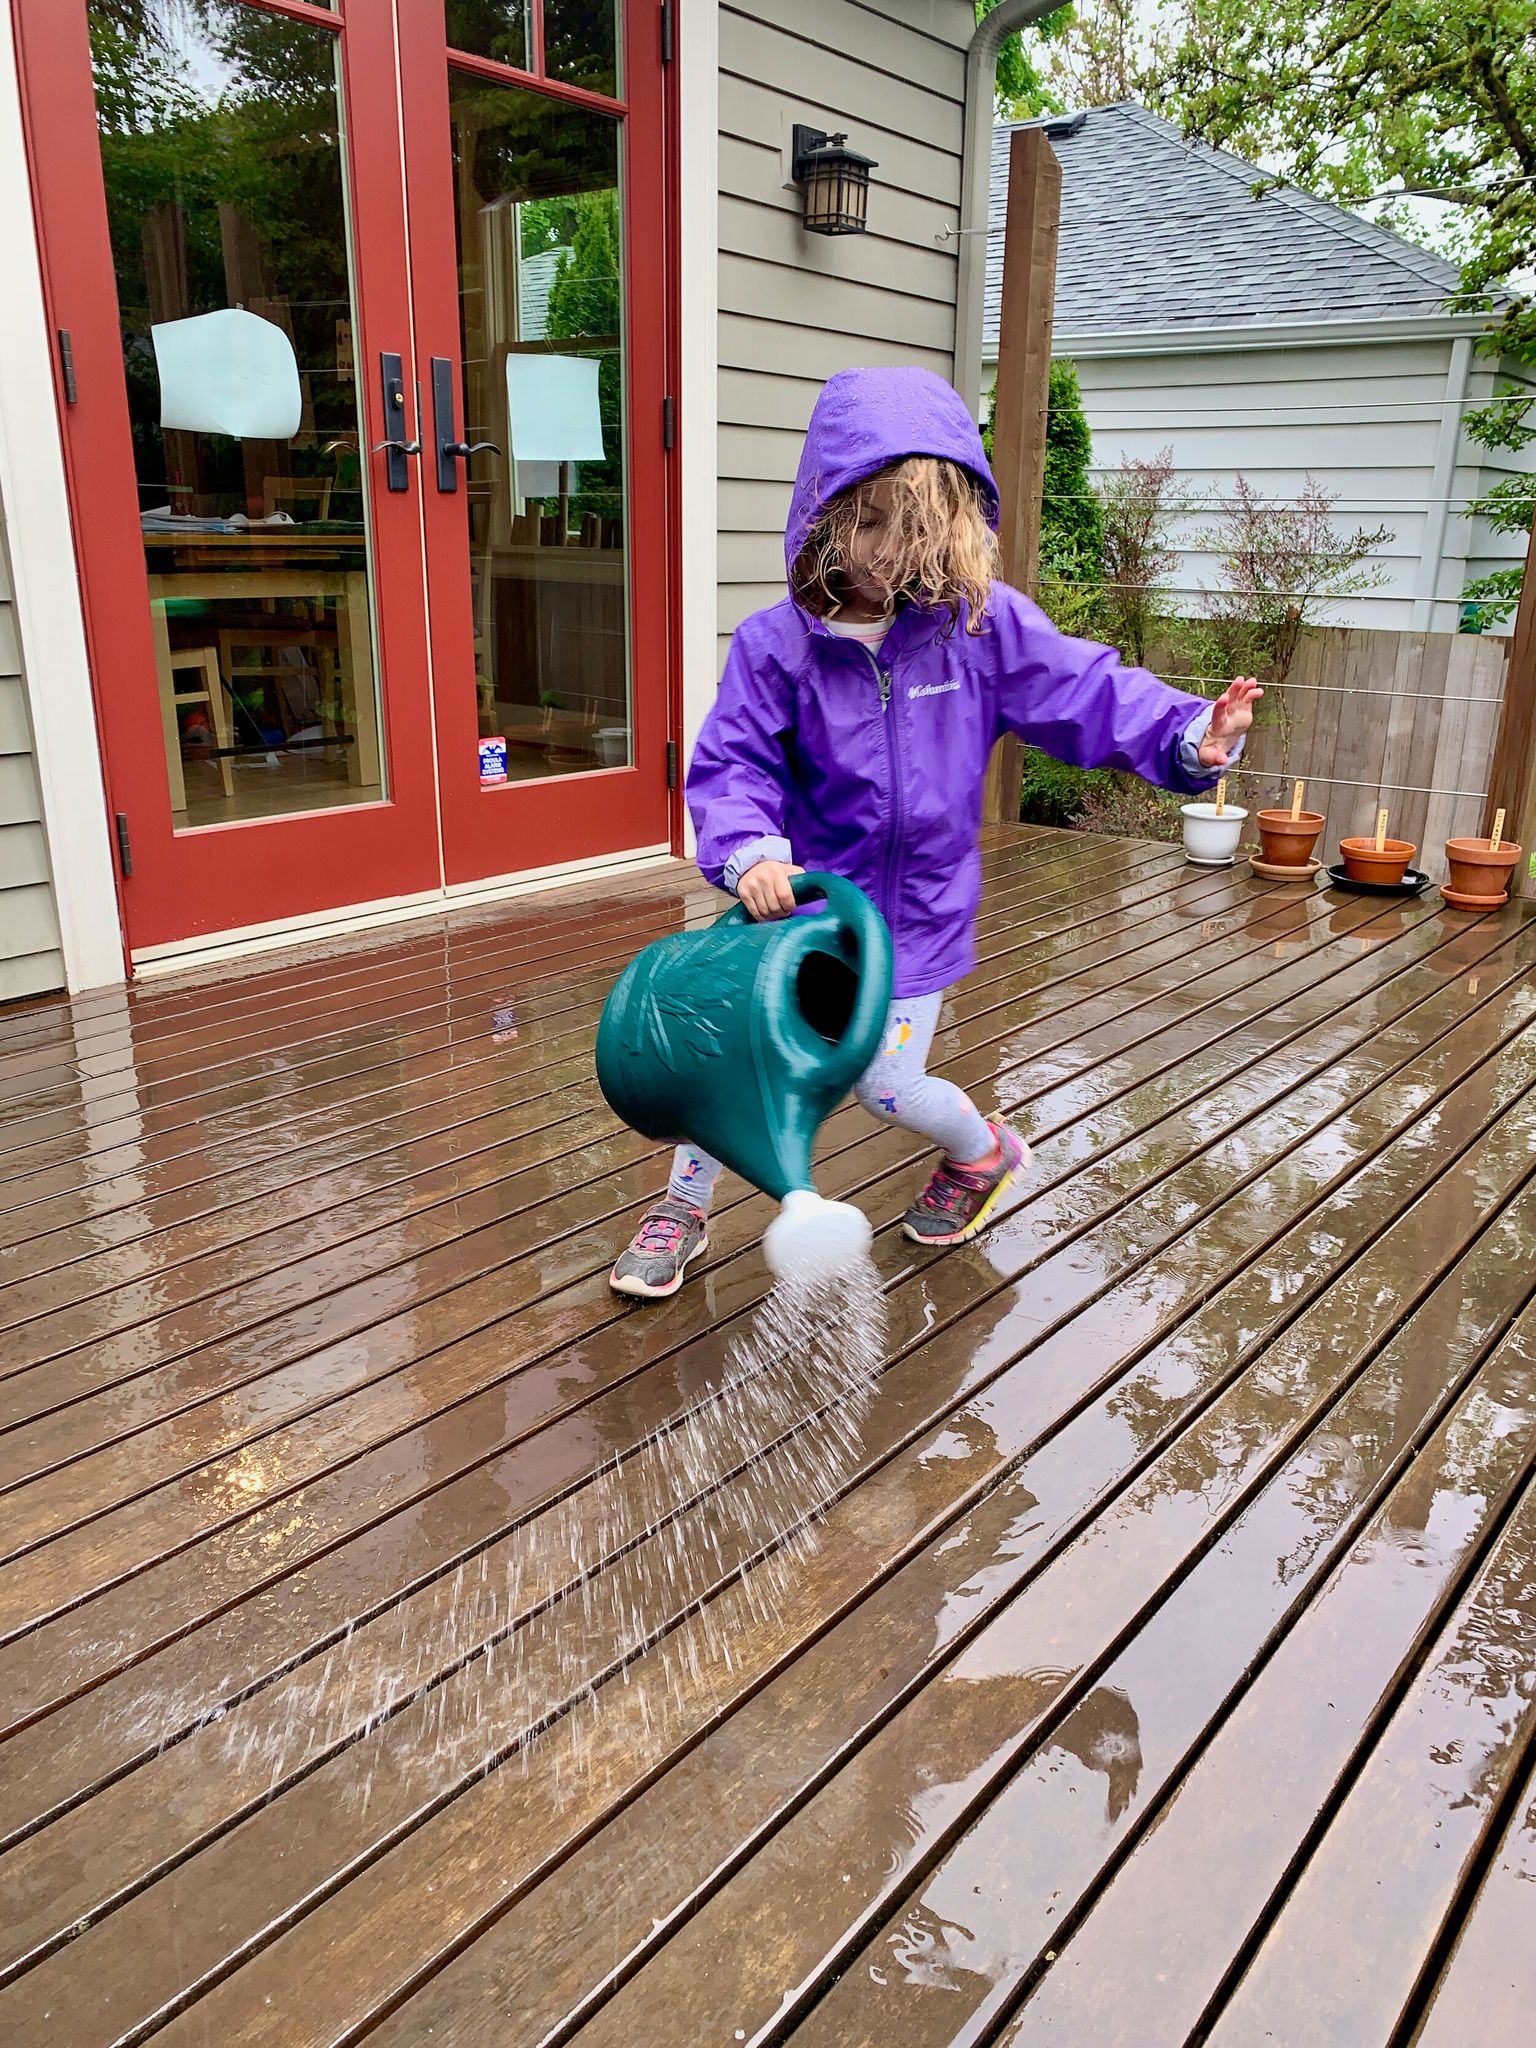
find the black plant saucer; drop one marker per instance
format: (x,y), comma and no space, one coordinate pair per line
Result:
(1412,884)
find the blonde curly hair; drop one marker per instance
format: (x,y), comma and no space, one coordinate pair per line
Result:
(938,548)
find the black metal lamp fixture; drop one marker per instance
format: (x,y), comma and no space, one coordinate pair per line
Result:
(835,180)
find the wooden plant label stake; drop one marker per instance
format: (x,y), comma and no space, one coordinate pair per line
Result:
(1381,831)
(1296,795)
(1498,830)
(1221,796)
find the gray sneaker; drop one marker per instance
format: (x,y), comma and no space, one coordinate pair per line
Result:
(669,1239)
(960,1201)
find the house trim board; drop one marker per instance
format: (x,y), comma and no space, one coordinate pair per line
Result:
(698,145)
(50,619)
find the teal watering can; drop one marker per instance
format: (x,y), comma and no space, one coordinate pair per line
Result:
(743,1038)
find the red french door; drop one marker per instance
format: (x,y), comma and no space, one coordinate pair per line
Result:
(540,252)
(363,347)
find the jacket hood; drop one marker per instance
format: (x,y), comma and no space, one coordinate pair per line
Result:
(865,420)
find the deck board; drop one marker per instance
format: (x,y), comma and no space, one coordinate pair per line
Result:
(307,1356)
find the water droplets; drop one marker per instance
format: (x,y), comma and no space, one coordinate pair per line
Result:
(620,1580)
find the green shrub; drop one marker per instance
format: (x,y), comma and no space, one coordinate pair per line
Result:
(1071,518)
(1125,807)
(1053,793)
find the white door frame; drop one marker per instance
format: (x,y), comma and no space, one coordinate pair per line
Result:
(50,622)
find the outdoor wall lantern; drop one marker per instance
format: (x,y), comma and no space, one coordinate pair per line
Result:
(835,180)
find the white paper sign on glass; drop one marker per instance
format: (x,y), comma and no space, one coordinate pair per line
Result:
(552,406)
(228,373)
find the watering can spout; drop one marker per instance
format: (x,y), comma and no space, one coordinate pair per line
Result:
(741,1039)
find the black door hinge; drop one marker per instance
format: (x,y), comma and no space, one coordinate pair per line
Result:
(669,423)
(67,366)
(124,847)
(671,764)
(666,31)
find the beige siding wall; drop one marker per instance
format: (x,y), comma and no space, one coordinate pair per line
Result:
(795,308)
(1362,418)
(30,960)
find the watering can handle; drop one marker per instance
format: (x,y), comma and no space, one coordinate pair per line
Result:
(846,900)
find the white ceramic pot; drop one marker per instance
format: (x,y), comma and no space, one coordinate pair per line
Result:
(1211,840)
(612,744)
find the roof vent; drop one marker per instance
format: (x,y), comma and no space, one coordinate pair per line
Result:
(1070,124)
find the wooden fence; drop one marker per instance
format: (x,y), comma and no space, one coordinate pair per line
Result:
(1374,720)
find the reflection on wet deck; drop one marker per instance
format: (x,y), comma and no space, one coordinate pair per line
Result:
(1160,1670)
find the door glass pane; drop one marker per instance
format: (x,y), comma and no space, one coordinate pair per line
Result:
(489,28)
(225,165)
(539,215)
(581,43)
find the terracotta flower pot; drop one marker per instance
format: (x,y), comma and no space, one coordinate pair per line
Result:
(1480,872)
(1287,842)
(1210,841)
(1362,863)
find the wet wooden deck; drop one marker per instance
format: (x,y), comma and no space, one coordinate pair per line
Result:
(1164,1669)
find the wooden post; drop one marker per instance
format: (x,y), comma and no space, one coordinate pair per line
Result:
(1512,785)
(1023,394)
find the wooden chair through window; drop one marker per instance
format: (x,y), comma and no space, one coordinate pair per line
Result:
(204,661)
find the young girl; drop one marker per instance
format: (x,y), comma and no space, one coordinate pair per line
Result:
(852,732)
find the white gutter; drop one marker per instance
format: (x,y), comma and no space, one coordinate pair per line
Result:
(976,185)
(1197,338)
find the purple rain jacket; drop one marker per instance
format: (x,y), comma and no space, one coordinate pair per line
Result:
(820,751)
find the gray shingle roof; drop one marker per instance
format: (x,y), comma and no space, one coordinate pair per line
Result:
(1157,232)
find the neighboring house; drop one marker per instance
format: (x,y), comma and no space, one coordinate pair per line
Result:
(260,663)
(1280,336)
(535,280)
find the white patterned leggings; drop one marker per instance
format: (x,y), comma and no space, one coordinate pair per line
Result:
(896,1087)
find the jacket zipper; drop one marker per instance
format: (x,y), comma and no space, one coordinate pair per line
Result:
(893,754)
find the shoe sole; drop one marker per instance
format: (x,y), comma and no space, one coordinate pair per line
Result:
(980,1220)
(640,1290)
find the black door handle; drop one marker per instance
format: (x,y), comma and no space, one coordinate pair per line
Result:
(395,447)
(451,451)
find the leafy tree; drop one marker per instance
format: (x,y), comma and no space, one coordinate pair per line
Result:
(489,28)
(586,303)
(1370,100)
(1071,518)
(1097,55)
(585,296)
(1023,90)
(1508,507)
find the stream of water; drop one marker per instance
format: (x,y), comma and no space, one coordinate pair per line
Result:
(611,1593)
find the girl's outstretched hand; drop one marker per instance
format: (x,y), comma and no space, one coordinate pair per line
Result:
(765,890)
(1231,716)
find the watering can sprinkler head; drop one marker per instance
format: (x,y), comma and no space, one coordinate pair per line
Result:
(813,1240)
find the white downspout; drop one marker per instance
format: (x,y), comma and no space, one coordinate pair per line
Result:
(976,183)
(1447,457)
